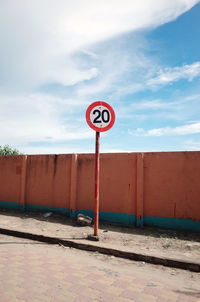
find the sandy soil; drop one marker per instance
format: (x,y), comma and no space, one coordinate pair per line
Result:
(151,241)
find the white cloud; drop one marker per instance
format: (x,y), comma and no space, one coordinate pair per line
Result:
(154,104)
(174,74)
(43,42)
(140,110)
(36,118)
(38,37)
(168,131)
(53,149)
(192,145)
(150,75)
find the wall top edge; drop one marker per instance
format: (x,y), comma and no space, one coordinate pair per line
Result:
(105,153)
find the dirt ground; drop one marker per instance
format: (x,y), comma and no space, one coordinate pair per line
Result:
(151,241)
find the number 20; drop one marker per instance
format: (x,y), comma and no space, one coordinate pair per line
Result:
(101,116)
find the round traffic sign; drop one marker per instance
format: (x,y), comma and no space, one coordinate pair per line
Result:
(100,116)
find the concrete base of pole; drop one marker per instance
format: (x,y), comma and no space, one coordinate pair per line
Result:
(93,238)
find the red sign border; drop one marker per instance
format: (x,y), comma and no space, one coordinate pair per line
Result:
(100,103)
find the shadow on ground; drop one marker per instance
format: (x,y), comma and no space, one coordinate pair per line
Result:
(145,231)
(189,292)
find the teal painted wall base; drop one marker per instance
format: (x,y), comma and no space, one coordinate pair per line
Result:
(10,205)
(29,207)
(132,220)
(120,218)
(139,222)
(173,223)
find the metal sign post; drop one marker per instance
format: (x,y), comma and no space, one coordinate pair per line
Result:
(97,166)
(100,117)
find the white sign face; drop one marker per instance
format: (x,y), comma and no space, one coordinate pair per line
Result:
(100,116)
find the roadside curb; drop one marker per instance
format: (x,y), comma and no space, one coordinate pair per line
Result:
(176,263)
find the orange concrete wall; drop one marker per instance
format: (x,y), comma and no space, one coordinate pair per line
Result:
(172,185)
(10,178)
(160,184)
(117,182)
(48,179)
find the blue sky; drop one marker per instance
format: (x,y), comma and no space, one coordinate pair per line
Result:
(142,57)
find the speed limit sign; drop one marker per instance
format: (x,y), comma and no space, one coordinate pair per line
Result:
(100,116)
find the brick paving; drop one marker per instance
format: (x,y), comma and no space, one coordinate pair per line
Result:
(32,272)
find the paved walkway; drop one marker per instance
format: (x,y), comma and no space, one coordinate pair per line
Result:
(31,272)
